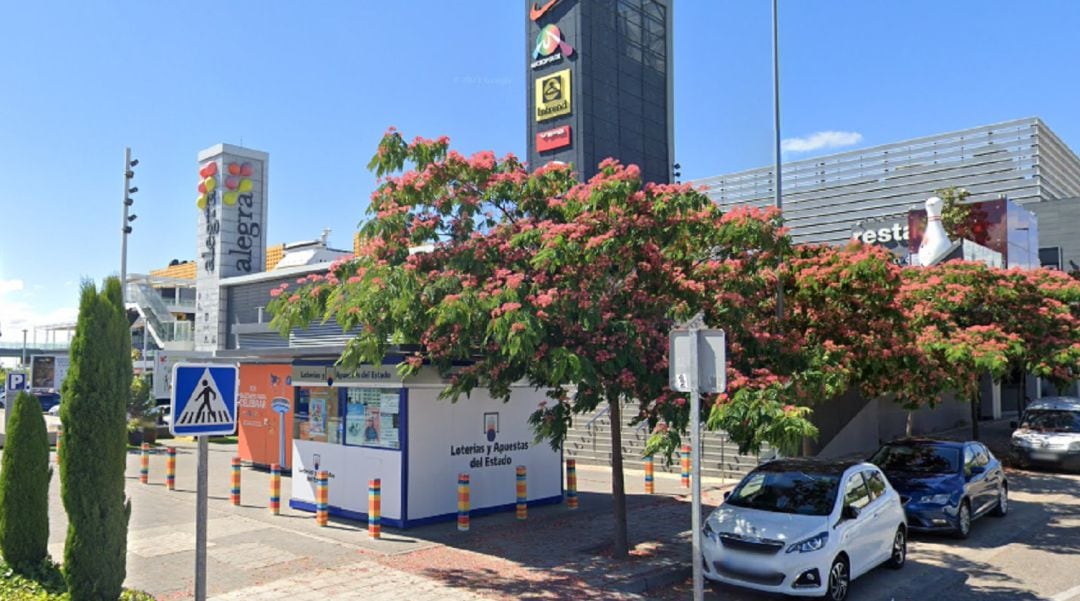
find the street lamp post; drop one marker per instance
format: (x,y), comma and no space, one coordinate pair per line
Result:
(777,198)
(125,226)
(24,348)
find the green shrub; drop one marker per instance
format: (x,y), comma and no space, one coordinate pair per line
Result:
(24,486)
(96,393)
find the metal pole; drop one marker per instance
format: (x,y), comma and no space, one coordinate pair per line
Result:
(777,198)
(124,229)
(24,348)
(695,465)
(200,521)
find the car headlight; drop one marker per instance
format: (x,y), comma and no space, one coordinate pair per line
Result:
(814,543)
(935,499)
(708,530)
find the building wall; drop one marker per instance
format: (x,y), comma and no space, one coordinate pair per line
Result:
(1059,226)
(825,197)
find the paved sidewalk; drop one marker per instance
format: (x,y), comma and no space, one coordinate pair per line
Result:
(556,554)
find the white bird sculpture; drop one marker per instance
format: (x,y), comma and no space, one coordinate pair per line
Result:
(935,241)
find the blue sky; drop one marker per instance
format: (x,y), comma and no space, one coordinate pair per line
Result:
(316,84)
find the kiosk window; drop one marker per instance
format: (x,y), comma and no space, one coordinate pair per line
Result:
(318,415)
(372,418)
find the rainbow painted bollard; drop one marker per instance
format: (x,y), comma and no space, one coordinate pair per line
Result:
(322,498)
(571,484)
(234,492)
(686,466)
(170,469)
(649,486)
(522,494)
(59,437)
(275,489)
(374,508)
(144,463)
(463,502)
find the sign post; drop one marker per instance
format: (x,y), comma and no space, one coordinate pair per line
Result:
(16,383)
(203,403)
(697,364)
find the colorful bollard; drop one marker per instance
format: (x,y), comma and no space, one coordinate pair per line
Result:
(374,514)
(649,486)
(234,492)
(170,469)
(322,498)
(144,463)
(463,503)
(522,494)
(275,489)
(59,437)
(686,466)
(571,484)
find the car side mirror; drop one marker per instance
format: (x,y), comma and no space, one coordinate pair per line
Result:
(727,494)
(849,513)
(975,471)
(1013,425)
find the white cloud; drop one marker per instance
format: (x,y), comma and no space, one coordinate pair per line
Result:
(18,313)
(821,140)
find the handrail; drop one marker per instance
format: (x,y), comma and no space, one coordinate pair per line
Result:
(602,413)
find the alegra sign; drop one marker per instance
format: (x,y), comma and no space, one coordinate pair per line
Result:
(553,138)
(550,47)
(553,95)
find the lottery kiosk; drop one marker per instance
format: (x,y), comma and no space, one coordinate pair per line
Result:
(370,424)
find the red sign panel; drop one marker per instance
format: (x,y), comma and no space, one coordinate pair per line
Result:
(553,138)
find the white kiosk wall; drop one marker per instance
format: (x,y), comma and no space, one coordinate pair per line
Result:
(419,459)
(482,437)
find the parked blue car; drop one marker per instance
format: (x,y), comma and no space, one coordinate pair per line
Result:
(944,485)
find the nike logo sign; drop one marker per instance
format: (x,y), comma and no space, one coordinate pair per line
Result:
(535,12)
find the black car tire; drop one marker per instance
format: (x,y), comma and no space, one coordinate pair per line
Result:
(839,581)
(963,518)
(1002,508)
(899,550)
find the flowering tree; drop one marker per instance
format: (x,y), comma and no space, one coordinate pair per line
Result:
(531,276)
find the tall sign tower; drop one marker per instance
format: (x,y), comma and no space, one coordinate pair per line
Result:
(599,84)
(231,232)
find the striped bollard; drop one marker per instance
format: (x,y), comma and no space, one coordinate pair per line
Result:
(170,469)
(275,489)
(374,506)
(463,503)
(144,463)
(649,486)
(686,466)
(322,498)
(571,484)
(234,492)
(522,494)
(59,437)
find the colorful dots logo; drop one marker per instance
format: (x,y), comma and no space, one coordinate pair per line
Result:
(237,181)
(207,183)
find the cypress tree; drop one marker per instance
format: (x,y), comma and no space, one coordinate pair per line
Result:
(95,446)
(24,486)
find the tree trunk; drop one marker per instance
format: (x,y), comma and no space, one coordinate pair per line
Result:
(910,423)
(618,489)
(975,401)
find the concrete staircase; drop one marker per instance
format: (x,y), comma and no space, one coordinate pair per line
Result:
(589,443)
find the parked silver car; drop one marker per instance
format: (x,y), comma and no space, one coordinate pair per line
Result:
(1049,434)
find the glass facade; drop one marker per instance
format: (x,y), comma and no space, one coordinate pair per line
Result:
(366,417)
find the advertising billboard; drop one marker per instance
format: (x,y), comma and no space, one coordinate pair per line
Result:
(264,430)
(47,372)
(553,95)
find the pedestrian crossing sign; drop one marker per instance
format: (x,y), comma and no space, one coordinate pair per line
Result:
(204,399)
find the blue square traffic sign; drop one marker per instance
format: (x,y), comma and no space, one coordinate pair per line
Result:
(204,399)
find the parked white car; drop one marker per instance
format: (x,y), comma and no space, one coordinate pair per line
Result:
(805,527)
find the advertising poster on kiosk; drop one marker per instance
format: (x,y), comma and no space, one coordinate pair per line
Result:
(263,431)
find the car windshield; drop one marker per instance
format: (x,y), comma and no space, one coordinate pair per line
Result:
(923,458)
(787,492)
(1047,420)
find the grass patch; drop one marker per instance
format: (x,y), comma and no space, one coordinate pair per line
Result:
(44,582)
(223,440)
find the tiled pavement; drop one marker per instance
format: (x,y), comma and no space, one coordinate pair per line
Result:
(556,554)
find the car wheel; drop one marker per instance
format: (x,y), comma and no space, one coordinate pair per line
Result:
(839,580)
(899,550)
(963,520)
(1003,502)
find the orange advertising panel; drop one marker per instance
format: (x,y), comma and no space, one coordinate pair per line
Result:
(262,438)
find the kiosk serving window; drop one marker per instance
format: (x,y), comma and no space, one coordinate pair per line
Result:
(372,417)
(318,415)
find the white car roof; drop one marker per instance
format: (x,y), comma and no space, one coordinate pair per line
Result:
(1059,403)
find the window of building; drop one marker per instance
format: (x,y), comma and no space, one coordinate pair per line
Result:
(1050,257)
(368,417)
(318,415)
